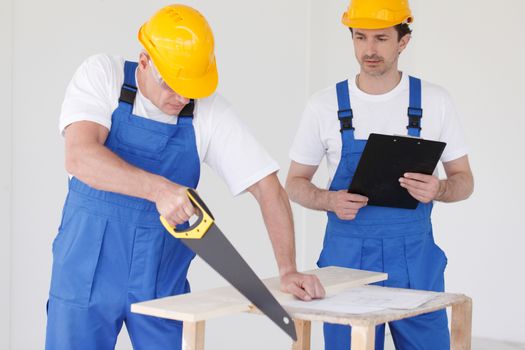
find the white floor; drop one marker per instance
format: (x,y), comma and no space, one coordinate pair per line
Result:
(477,344)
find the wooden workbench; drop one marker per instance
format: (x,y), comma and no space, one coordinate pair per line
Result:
(195,308)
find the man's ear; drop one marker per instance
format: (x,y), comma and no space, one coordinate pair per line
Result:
(403,42)
(143,60)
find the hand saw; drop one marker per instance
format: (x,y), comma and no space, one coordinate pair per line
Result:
(208,242)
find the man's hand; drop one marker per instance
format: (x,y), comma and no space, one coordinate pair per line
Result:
(424,188)
(303,286)
(173,203)
(346,205)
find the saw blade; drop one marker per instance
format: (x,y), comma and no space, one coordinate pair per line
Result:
(215,249)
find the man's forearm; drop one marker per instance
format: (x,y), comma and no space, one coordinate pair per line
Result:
(102,169)
(277,215)
(456,188)
(305,193)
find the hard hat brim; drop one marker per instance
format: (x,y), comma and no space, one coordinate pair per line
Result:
(195,88)
(370,23)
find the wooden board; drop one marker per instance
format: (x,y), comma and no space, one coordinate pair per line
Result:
(200,306)
(334,280)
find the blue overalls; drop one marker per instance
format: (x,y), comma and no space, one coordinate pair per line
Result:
(111,249)
(392,240)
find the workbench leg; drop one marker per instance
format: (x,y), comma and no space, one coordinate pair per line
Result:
(303,329)
(193,335)
(461,325)
(363,337)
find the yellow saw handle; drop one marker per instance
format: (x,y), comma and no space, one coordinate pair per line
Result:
(199,227)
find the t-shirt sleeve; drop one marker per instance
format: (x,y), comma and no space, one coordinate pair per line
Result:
(452,132)
(91,94)
(234,153)
(307,147)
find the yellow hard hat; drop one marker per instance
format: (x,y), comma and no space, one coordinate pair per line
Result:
(377,14)
(180,42)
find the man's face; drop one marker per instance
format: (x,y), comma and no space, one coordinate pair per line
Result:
(169,102)
(377,50)
(157,91)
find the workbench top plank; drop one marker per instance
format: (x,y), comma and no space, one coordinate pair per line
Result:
(213,303)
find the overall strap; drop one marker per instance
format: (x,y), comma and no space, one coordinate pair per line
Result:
(186,114)
(415,113)
(345,114)
(129,88)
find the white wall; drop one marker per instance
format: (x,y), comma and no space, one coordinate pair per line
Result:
(476,50)
(481,63)
(6,61)
(271,56)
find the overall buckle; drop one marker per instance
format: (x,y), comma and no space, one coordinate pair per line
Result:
(345,118)
(414,118)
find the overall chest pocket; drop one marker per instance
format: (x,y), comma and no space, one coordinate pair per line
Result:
(141,142)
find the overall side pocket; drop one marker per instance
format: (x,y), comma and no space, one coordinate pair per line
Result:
(76,253)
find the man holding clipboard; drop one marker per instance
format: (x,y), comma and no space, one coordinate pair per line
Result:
(337,123)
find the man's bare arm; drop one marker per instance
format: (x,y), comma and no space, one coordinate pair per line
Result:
(88,159)
(277,215)
(301,190)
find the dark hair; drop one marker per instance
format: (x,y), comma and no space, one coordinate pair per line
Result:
(402,30)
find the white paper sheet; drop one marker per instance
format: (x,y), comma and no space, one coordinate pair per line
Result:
(365,299)
(330,305)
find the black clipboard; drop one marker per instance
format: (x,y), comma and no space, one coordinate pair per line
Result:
(385,159)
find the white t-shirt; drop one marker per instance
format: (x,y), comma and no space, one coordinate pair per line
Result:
(318,134)
(223,141)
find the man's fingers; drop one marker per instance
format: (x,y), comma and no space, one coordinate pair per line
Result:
(299,292)
(312,285)
(309,287)
(420,196)
(354,205)
(303,286)
(417,176)
(181,216)
(353,197)
(344,216)
(170,221)
(319,289)
(418,192)
(407,183)
(188,209)
(350,208)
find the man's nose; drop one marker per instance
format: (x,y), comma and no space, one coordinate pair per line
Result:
(371,48)
(181,99)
